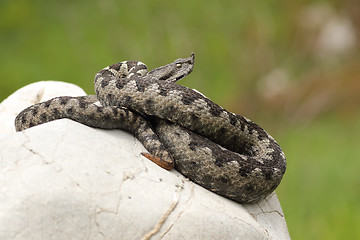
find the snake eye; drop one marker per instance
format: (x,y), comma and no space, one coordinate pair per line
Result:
(178,65)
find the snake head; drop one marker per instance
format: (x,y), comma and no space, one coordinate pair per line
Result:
(174,71)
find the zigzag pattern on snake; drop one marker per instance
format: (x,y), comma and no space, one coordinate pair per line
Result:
(221,151)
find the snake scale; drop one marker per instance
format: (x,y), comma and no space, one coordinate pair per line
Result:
(219,150)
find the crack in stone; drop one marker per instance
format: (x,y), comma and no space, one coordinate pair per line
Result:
(165,216)
(181,212)
(261,206)
(43,159)
(97,223)
(127,175)
(268,212)
(30,149)
(39,95)
(271,211)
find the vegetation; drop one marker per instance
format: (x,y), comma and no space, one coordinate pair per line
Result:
(291,66)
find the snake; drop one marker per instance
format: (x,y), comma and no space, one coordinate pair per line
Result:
(180,128)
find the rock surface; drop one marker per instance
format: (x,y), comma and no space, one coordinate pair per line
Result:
(64,180)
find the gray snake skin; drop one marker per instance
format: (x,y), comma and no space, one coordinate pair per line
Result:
(221,151)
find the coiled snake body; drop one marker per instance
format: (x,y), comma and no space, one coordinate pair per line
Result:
(221,151)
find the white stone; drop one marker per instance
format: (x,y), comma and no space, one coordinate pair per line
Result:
(31,94)
(64,180)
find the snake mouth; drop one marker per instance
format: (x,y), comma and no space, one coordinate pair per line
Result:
(180,77)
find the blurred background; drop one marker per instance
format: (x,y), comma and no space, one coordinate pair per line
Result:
(291,66)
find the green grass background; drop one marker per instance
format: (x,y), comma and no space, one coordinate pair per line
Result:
(314,114)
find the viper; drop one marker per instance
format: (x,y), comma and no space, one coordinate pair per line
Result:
(224,152)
